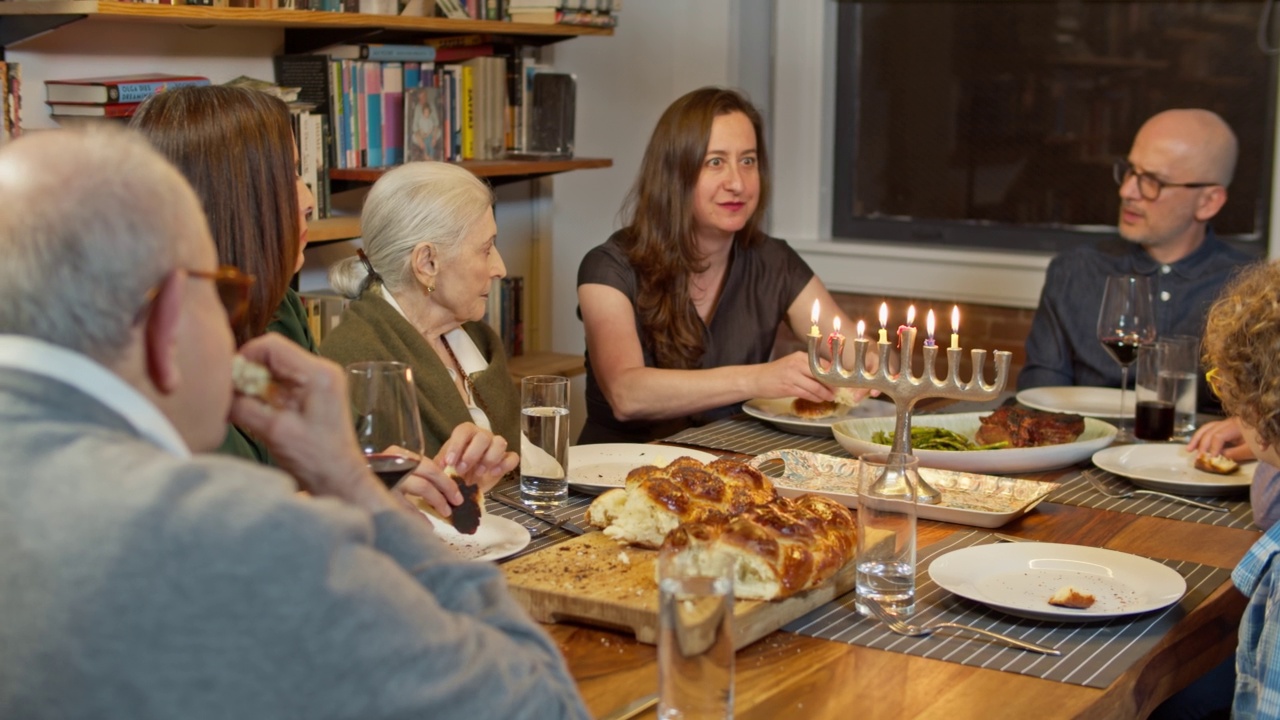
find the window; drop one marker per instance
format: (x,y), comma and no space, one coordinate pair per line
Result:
(996,124)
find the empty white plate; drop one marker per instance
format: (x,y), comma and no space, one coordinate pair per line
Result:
(1091,401)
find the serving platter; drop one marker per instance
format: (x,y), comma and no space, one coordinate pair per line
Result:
(855,437)
(596,468)
(984,501)
(1168,467)
(1019,579)
(776,412)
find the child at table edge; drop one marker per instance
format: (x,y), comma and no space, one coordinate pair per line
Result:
(1242,345)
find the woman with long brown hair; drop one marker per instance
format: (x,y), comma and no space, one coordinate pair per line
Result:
(682,306)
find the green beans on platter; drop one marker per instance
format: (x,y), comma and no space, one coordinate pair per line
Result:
(932,438)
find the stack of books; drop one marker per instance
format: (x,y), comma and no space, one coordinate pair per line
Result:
(115,96)
(598,13)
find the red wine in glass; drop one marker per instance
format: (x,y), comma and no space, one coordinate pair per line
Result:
(389,468)
(1123,349)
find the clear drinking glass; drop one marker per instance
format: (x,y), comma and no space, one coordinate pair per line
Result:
(1181,368)
(888,486)
(544,440)
(1154,392)
(384,403)
(695,634)
(1126,320)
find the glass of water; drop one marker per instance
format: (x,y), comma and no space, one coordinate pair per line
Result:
(544,440)
(888,484)
(695,634)
(1181,369)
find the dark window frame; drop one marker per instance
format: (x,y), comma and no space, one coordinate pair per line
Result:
(973,234)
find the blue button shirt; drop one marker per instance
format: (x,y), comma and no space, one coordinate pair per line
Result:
(1063,347)
(1258,652)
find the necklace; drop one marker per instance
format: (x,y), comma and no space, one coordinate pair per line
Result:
(466,379)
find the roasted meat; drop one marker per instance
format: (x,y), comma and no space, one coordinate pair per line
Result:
(1024,427)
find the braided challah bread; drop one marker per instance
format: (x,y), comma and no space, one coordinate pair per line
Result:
(782,546)
(656,500)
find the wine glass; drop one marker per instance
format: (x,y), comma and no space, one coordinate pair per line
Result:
(384,402)
(1126,320)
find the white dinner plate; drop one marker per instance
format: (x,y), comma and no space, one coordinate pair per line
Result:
(1168,467)
(596,468)
(771,411)
(1090,401)
(496,538)
(855,436)
(1019,579)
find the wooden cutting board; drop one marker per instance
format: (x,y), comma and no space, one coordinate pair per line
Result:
(593,580)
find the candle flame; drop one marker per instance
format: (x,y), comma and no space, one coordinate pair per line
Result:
(911,315)
(884,314)
(955,318)
(862,328)
(930,322)
(816,312)
(835,325)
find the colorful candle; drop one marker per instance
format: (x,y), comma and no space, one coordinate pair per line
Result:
(835,336)
(815,331)
(911,321)
(955,327)
(929,323)
(884,322)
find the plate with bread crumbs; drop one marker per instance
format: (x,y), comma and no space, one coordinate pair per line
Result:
(986,501)
(496,538)
(596,468)
(1021,578)
(1168,467)
(781,413)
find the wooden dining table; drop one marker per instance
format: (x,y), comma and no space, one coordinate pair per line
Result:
(786,675)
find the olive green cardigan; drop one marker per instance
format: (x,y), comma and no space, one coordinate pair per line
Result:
(290,321)
(371,329)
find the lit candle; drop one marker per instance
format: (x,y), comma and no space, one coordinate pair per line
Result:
(815,331)
(955,327)
(911,321)
(929,323)
(884,322)
(862,329)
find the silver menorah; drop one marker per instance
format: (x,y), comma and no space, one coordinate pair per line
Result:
(905,388)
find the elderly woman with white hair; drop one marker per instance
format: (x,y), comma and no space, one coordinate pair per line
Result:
(420,288)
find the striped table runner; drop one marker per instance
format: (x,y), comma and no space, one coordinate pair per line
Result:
(1075,490)
(1093,654)
(753,437)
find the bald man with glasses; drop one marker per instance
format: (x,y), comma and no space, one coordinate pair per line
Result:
(1172,184)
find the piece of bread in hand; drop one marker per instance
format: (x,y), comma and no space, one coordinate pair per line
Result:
(843,402)
(465,517)
(1070,597)
(1217,464)
(251,379)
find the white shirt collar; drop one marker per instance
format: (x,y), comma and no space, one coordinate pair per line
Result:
(37,357)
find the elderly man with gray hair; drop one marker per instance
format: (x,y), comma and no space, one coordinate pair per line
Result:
(140,581)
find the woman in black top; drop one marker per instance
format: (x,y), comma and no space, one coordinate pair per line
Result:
(681,307)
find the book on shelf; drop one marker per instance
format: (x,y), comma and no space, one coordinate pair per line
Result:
(553,16)
(383,52)
(117,88)
(108,110)
(505,313)
(10,101)
(324,312)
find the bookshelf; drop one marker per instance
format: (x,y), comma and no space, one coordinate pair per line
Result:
(303,31)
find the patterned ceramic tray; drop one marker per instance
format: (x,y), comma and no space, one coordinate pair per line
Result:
(967,498)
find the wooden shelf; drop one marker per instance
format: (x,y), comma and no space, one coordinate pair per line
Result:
(545,363)
(21,19)
(508,169)
(333,229)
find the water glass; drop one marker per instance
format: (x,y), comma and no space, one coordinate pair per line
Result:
(544,441)
(695,634)
(888,485)
(1181,368)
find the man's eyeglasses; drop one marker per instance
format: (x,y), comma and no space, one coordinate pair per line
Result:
(1149,186)
(233,289)
(232,286)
